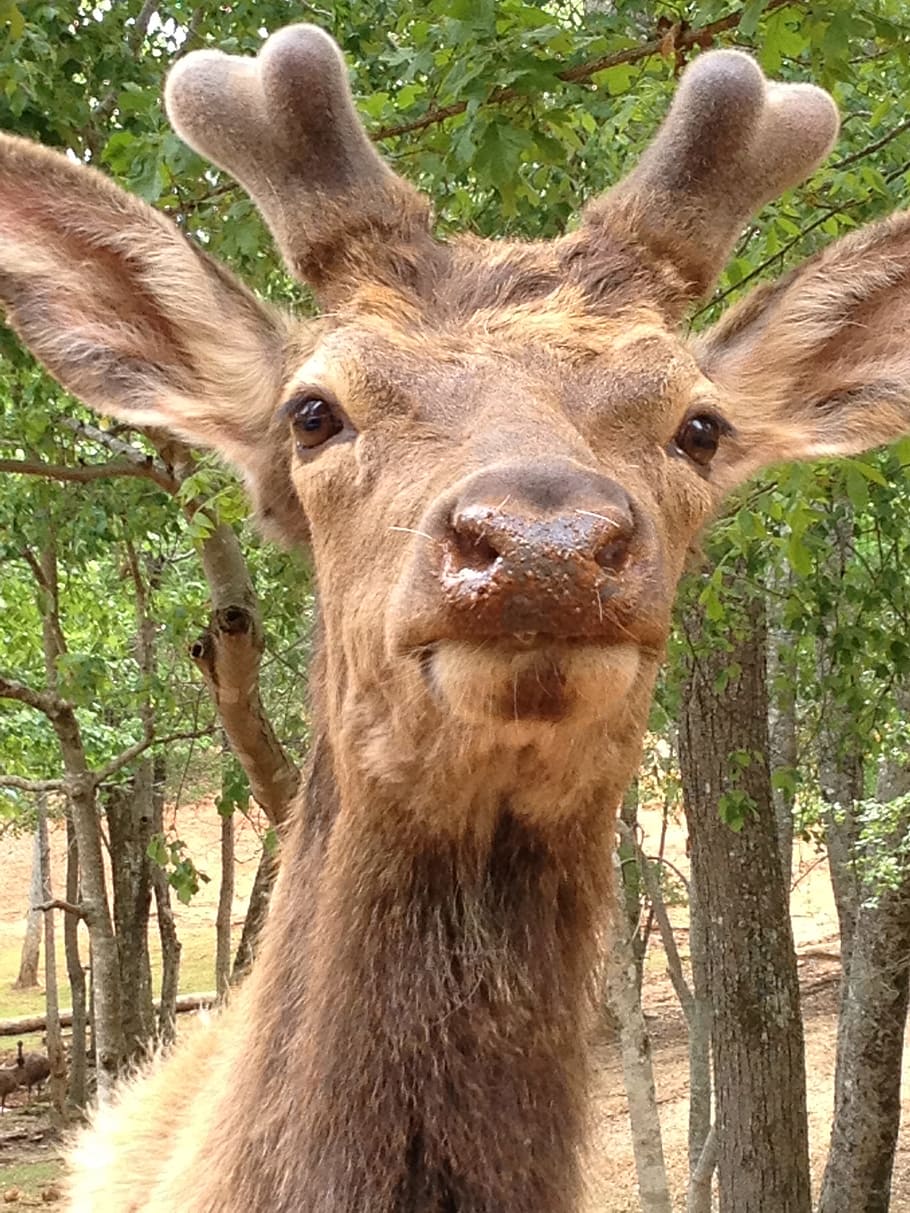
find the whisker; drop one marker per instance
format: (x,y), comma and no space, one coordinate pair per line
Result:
(409,530)
(602,517)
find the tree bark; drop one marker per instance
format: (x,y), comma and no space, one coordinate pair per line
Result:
(840,757)
(167,925)
(129,816)
(759,1071)
(81,791)
(78,1090)
(256,912)
(871,1023)
(31,945)
(782,679)
(228,655)
(624,997)
(700,1032)
(225,907)
(54,1037)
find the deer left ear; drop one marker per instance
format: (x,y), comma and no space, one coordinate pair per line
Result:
(817,364)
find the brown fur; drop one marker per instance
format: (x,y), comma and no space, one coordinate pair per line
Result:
(412,1037)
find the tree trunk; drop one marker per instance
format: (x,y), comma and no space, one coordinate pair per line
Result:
(871,1023)
(256,913)
(700,1084)
(31,945)
(782,678)
(129,816)
(225,907)
(840,754)
(624,997)
(53,1035)
(78,1091)
(81,791)
(759,1071)
(167,925)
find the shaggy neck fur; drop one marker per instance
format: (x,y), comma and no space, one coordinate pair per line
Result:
(417,1016)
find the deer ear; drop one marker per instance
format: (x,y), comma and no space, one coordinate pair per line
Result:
(818,363)
(127,313)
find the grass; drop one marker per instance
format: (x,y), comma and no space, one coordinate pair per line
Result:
(197,966)
(31,1178)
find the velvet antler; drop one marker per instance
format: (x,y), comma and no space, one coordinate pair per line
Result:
(731,141)
(285,126)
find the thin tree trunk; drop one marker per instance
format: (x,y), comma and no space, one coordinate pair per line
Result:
(698,1195)
(129,816)
(31,945)
(167,925)
(80,785)
(624,996)
(78,1090)
(700,1029)
(53,1035)
(256,913)
(759,1071)
(840,757)
(225,907)
(782,676)
(871,1023)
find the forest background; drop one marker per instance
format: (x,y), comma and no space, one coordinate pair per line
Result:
(138,608)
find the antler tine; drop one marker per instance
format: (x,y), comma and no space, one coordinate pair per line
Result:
(731,141)
(285,126)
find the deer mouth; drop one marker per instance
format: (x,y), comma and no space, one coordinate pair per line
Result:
(530,678)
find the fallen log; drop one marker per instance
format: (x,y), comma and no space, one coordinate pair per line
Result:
(38,1023)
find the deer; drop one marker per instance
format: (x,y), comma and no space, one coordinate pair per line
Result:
(499,454)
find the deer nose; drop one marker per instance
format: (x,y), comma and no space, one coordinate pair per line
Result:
(536,547)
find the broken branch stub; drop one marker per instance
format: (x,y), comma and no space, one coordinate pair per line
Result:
(731,142)
(284,124)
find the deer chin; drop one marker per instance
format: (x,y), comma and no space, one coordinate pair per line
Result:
(528,683)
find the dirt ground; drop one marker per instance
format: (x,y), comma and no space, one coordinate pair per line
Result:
(28,1153)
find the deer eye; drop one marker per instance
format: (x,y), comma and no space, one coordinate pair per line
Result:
(314,420)
(699,437)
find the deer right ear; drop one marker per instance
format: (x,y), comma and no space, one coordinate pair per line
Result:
(125,312)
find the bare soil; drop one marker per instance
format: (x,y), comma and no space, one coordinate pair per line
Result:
(29,1152)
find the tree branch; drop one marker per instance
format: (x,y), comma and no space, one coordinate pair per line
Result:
(871,148)
(138,748)
(686,38)
(43,701)
(57,904)
(32,785)
(92,471)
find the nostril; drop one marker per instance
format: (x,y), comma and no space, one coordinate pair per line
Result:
(613,554)
(472,550)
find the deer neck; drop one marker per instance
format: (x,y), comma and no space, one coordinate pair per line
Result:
(431,1028)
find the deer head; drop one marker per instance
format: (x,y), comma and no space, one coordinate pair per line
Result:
(499,452)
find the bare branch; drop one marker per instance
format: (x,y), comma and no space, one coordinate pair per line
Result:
(43,701)
(92,471)
(57,904)
(32,785)
(685,39)
(136,750)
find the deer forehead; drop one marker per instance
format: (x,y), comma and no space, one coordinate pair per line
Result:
(527,363)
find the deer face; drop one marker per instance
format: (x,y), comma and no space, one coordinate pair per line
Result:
(500,453)
(520,511)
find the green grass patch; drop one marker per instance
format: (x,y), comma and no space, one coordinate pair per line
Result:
(197,974)
(30,1177)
